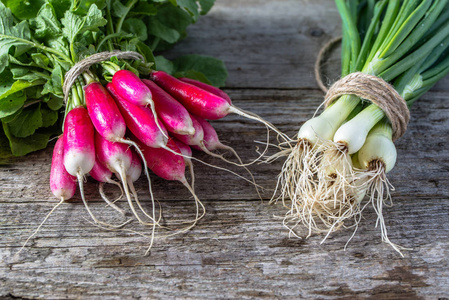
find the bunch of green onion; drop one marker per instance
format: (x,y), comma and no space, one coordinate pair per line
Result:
(341,157)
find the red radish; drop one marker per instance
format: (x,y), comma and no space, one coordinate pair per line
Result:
(193,140)
(103,175)
(165,163)
(79,149)
(129,86)
(186,152)
(211,140)
(175,117)
(203,103)
(197,101)
(117,158)
(111,125)
(140,121)
(135,169)
(198,140)
(62,184)
(208,87)
(103,112)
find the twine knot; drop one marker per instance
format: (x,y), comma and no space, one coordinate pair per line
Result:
(367,87)
(84,65)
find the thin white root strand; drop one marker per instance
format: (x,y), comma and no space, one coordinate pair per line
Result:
(230,149)
(120,187)
(134,193)
(198,217)
(379,194)
(121,174)
(253,116)
(240,164)
(213,166)
(109,202)
(80,182)
(147,174)
(192,175)
(156,120)
(40,225)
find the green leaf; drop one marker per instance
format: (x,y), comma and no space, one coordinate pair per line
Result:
(81,7)
(73,24)
(46,23)
(27,75)
(10,36)
(193,75)
(24,10)
(191,7)
(6,81)
(156,28)
(144,8)
(136,27)
(214,69)
(118,9)
(143,49)
(54,85)
(23,146)
(26,123)
(163,64)
(40,60)
(5,151)
(206,5)
(49,117)
(54,102)
(20,85)
(12,103)
(174,17)
(60,7)
(59,43)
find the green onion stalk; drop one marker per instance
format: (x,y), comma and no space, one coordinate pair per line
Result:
(342,156)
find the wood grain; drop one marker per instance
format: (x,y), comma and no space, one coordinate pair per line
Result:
(240,249)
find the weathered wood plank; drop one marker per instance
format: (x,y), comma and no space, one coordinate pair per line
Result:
(240,249)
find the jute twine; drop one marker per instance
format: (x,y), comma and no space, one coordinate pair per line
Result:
(367,87)
(84,65)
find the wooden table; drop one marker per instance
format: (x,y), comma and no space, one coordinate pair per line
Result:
(240,248)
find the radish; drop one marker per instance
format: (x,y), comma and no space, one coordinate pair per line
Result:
(110,124)
(103,112)
(62,184)
(103,175)
(211,140)
(140,121)
(175,117)
(197,101)
(129,86)
(79,149)
(201,102)
(207,87)
(197,140)
(186,152)
(117,158)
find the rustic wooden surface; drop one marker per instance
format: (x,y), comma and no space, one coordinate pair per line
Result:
(240,249)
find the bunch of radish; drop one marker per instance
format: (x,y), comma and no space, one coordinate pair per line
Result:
(130,125)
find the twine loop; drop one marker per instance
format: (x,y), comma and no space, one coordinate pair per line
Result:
(84,65)
(368,87)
